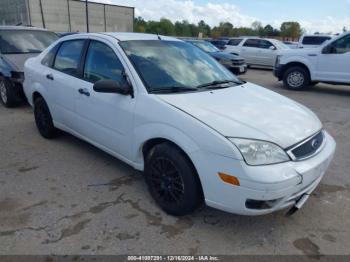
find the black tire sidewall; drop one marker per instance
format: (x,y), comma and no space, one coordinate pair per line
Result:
(40,107)
(12,100)
(193,196)
(299,70)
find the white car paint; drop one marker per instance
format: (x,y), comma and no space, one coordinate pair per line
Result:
(199,123)
(323,67)
(257,55)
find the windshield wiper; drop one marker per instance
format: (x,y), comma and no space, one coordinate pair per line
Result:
(217,84)
(173,89)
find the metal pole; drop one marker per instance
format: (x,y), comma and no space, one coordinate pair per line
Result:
(42,13)
(87,16)
(69,23)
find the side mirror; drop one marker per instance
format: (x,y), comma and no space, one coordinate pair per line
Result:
(112,86)
(329,49)
(272,48)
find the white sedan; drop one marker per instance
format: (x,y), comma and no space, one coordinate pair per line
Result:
(167,108)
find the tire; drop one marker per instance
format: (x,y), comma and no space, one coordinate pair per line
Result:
(296,78)
(43,119)
(172,180)
(7,93)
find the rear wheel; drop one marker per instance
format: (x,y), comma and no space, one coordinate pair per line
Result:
(296,78)
(43,119)
(7,94)
(172,180)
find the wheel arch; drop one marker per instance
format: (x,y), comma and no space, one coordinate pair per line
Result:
(148,145)
(295,64)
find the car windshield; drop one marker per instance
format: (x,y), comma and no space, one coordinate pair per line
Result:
(205,46)
(25,41)
(280,45)
(168,66)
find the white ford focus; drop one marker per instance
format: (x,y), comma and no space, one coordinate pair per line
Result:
(170,110)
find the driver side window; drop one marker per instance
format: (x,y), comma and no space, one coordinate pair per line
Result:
(102,64)
(341,46)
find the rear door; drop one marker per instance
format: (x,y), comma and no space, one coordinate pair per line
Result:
(334,61)
(63,82)
(249,51)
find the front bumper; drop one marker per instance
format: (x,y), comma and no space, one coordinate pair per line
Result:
(280,185)
(278,72)
(238,69)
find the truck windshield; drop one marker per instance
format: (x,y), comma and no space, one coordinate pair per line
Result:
(175,65)
(25,41)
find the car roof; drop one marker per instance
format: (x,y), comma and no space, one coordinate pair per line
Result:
(15,27)
(137,36)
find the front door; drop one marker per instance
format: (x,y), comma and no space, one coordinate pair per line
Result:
(334,61)
(105,119)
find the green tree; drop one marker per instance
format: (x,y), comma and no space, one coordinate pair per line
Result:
(166,27)
(140,25)
(291,29)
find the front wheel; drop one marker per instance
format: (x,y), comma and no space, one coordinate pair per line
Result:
(172,180)
(296,78)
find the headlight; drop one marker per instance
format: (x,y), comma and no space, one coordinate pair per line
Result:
(256,152)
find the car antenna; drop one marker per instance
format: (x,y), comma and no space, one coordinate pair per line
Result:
(159,38)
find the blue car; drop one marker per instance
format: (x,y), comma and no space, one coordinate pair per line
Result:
(17,44)
(234,63)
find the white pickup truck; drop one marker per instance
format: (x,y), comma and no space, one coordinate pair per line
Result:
(329,63)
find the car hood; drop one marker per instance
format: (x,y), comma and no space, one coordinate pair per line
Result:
(225,56)
(249,111)
(17,60)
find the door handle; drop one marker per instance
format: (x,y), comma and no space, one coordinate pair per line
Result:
(49,76)
(84,91)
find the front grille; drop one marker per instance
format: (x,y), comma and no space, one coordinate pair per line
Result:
(309,147)
(237,62)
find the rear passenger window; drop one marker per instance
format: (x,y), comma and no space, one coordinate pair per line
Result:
(234,42)
(102,64)
(251,43)
(49,57)
(68,57)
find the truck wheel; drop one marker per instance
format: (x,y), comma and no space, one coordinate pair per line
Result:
(7,93)
(43,119)
(296,78)
(172,180)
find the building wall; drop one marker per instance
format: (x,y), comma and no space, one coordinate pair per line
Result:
(67,15)
(13,12)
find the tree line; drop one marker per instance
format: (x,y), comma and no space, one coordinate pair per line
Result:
(183,28)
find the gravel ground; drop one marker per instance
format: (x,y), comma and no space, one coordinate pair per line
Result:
(66,197)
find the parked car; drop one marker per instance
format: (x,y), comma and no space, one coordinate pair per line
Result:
(256,51)
(219,43)
(169,109)
(17,44)
(63,34)
(234,63)
(329,63)
(313,41)
(292,45)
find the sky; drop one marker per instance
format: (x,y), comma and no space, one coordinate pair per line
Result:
(314,15)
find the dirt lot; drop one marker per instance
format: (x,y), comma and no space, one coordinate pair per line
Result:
(67,197)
